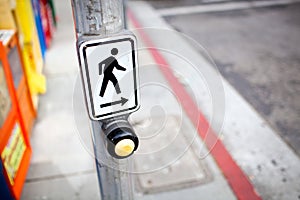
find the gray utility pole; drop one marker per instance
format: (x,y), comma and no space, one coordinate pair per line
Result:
(98,22)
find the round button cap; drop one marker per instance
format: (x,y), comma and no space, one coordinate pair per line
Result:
(124,147)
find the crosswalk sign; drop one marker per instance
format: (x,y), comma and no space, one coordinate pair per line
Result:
(109,71)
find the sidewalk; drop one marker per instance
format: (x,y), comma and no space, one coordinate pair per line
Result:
(62,166)
(256,148)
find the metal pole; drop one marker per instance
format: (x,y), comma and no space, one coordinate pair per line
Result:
(102,18)
(98,17)
(114,180)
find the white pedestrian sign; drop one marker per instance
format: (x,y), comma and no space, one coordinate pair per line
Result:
(110,76)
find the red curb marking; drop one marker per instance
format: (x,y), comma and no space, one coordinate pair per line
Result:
(235,177)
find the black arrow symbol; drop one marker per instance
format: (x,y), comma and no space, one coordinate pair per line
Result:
(122,102)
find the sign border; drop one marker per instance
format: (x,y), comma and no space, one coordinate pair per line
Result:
(86,82)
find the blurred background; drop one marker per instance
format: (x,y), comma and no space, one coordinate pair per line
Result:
(219,88)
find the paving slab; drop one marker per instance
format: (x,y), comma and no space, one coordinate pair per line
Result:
(186,171)
(79,186)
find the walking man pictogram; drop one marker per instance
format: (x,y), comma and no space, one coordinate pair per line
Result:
(109,64)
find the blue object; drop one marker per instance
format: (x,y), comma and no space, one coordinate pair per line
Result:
(39,26)
(4,190)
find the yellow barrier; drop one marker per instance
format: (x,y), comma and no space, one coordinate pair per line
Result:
(30,46)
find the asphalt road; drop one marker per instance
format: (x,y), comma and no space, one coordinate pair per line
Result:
(258,52)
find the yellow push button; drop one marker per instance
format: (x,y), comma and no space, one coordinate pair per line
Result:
(124,147)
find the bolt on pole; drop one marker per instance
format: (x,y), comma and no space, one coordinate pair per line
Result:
(102,19)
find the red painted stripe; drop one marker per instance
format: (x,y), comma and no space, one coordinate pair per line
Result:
(235,177)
